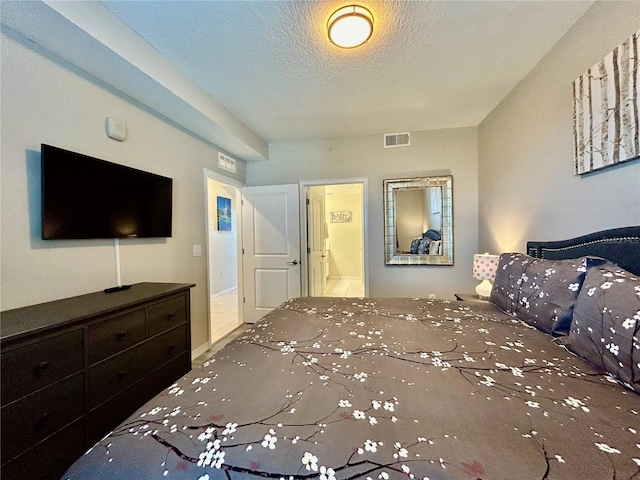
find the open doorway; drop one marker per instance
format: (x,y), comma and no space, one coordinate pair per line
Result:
(223,248)
(335,238)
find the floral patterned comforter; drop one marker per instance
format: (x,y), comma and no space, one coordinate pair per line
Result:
(378,389)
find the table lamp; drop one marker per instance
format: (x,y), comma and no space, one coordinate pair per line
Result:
(484,268)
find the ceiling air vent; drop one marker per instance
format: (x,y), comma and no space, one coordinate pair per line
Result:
(226,163)
(392,140)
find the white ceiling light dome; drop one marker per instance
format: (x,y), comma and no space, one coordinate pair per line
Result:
(350,26)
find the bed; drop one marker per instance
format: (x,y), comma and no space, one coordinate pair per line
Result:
(380,388)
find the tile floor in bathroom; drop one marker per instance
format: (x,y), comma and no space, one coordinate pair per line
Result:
(344,287)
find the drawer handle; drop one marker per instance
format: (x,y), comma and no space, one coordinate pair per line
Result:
(169,317)
(40,423)
(42,366)
(121,335)
(121,375)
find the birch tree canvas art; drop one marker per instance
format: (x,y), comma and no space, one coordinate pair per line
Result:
(606,110)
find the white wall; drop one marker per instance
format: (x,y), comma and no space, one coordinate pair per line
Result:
(434,152)
(223,246)
(44,100)
(527,187)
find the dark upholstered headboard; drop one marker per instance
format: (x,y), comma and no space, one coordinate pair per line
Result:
(619,245)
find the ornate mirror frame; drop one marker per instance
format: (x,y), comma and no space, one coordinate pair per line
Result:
(392,256)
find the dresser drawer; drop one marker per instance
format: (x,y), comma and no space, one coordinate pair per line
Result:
(30,368)
(34,418)
(110,377)
(167,346)
(166,315)
(110,414)
(108,337)
(50,459)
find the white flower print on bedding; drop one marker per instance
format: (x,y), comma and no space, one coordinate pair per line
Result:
(310,461)
(538,291)
(605,329)
(497,366)
(270,440)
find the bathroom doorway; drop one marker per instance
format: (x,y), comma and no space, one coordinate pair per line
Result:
(335,238)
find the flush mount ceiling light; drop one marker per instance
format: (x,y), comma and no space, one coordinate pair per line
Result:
(350,26)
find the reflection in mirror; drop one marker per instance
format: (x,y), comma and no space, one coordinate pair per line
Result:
(419,221)
(418,210)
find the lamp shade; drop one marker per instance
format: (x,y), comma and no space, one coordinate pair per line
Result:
(485,266)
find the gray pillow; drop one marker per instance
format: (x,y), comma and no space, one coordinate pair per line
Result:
(539,292)
(606,323)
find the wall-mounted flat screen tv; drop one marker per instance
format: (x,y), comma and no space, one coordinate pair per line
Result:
(85,197)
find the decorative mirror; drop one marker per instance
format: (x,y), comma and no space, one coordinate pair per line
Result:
(418,221)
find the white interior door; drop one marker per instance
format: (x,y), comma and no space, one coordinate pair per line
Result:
(316,241)
(271,248)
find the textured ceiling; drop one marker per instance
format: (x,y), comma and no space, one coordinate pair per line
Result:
(429,64)
(243,74)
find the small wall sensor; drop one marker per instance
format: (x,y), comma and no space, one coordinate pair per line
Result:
(115,129)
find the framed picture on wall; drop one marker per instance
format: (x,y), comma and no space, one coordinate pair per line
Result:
(606,106)
(224,214)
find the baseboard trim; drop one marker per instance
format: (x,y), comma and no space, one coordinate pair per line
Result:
(222,292)
(200,350)
(344,277)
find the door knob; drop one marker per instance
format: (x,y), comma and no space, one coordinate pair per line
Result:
(295,262)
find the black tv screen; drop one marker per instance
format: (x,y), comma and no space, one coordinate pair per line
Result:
(85,197)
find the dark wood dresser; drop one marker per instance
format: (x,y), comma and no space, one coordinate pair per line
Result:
(73,369)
